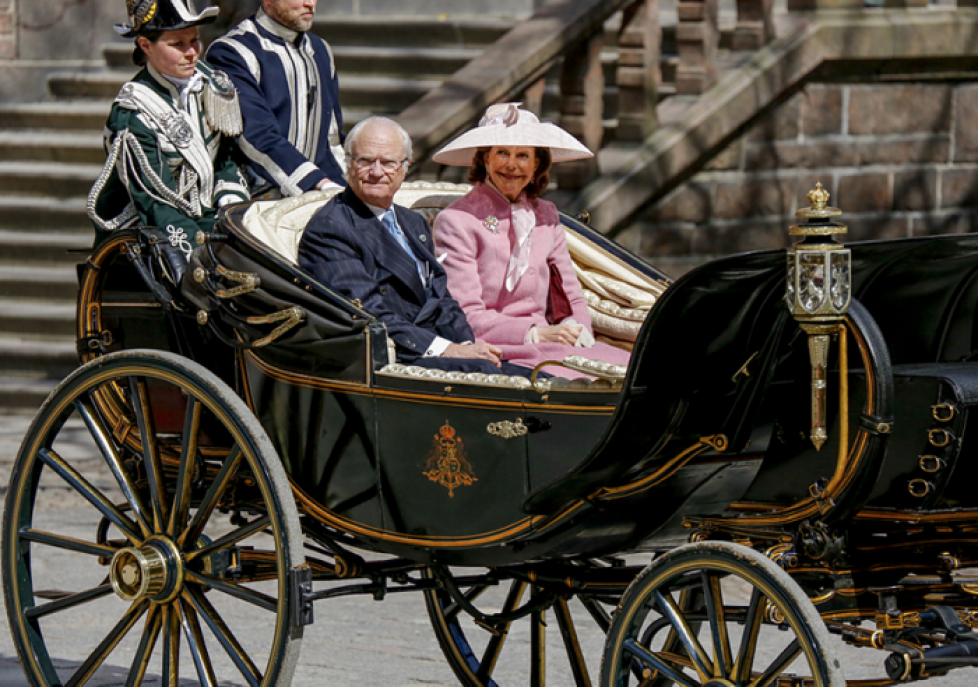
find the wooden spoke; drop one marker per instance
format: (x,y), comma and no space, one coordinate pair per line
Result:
(171,645)
(668,607)
(639,652)
(538,645)
(237,591)
(212,497)
(572,645)
(196,645)
(713,600)
(106,646)
(226,638)
(69,543)
(495,646)
(188,456)
(231,538)
(110,453)
(139,397)
(597,611)
(90,493)
(778,666)
(140,662)
(70,601)
(748,642)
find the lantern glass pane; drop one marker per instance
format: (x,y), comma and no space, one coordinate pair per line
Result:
(789,292)
(840,279)
(811,281)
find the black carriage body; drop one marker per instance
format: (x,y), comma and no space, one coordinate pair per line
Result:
(709,431)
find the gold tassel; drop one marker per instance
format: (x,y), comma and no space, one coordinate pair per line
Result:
(220,100)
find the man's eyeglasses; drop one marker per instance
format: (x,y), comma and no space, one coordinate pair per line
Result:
(363,163)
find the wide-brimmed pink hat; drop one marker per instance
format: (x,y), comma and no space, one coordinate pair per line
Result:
(507,125)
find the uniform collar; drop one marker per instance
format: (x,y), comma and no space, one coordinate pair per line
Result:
(162,82)
(274,28)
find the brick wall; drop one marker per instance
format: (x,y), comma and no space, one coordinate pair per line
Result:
(899,159)
(8,37)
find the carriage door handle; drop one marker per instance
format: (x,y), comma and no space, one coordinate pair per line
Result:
(507,429)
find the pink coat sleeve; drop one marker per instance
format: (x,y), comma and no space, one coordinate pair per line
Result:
(560,257)
(456,236)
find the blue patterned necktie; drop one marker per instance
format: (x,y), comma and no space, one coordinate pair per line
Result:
(390,221)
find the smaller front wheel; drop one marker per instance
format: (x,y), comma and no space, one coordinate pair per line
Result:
(751,625)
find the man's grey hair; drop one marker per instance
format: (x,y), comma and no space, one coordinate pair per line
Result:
(380,123)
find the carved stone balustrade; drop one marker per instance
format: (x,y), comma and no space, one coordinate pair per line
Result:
(582,108)
(697,39)
(755,25)
(639,72)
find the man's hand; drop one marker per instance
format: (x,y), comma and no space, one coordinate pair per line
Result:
(480,349)
(560,333)
(327,183)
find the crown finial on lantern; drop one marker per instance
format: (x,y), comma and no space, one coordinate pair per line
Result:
(819,198)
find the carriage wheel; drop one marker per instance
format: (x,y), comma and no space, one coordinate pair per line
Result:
(758,628)
(483,655)
(155,533)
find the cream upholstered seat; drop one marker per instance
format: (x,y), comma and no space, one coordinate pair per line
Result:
(619,297)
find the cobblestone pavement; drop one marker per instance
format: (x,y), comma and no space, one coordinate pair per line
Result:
(355,640)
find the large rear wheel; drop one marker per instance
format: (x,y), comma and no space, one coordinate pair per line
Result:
(149,528)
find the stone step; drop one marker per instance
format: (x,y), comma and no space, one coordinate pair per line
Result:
(24,394)
(423,32)
(30,358)
(103,85)
(23,317)
(382,95)
(47,178)
(52,146)
(39,283)
(84,115)
(49,248)
(42,213)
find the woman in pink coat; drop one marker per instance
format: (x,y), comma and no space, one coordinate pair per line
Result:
(503,247)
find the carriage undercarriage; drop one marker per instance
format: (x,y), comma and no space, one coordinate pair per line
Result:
(243,492)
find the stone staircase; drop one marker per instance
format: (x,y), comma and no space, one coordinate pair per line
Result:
(51,153)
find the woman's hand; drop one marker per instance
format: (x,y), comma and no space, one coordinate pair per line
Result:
(560,333)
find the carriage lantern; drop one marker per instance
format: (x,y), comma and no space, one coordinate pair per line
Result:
(818,291)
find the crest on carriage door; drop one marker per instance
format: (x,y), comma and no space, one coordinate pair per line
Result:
(446,463)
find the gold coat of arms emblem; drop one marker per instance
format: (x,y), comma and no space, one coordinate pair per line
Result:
(446,463)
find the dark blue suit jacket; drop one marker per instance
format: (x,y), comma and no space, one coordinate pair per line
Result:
(347,248)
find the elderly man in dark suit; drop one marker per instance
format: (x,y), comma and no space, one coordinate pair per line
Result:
(369,249)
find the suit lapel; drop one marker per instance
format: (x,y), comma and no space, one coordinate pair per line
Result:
(387,251)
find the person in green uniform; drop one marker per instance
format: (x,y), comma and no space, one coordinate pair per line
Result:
(170,137)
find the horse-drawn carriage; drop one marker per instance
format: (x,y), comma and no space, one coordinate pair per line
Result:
(795,487)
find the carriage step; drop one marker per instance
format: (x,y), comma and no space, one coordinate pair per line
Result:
(44,178)
(37,359)
(48,146)
(86,115)
(32,318)
(40,283)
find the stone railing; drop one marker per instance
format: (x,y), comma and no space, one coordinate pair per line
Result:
(570,33)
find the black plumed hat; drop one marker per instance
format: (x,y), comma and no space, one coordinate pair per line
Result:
(146,16)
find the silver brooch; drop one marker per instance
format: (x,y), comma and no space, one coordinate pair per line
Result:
(178,130)
(491,223)
(422,238)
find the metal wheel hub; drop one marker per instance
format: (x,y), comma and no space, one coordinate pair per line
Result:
(152,571)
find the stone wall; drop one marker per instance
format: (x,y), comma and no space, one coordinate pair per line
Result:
(900,159)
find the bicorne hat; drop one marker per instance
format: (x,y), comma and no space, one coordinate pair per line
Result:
(146,16)
(505,124)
